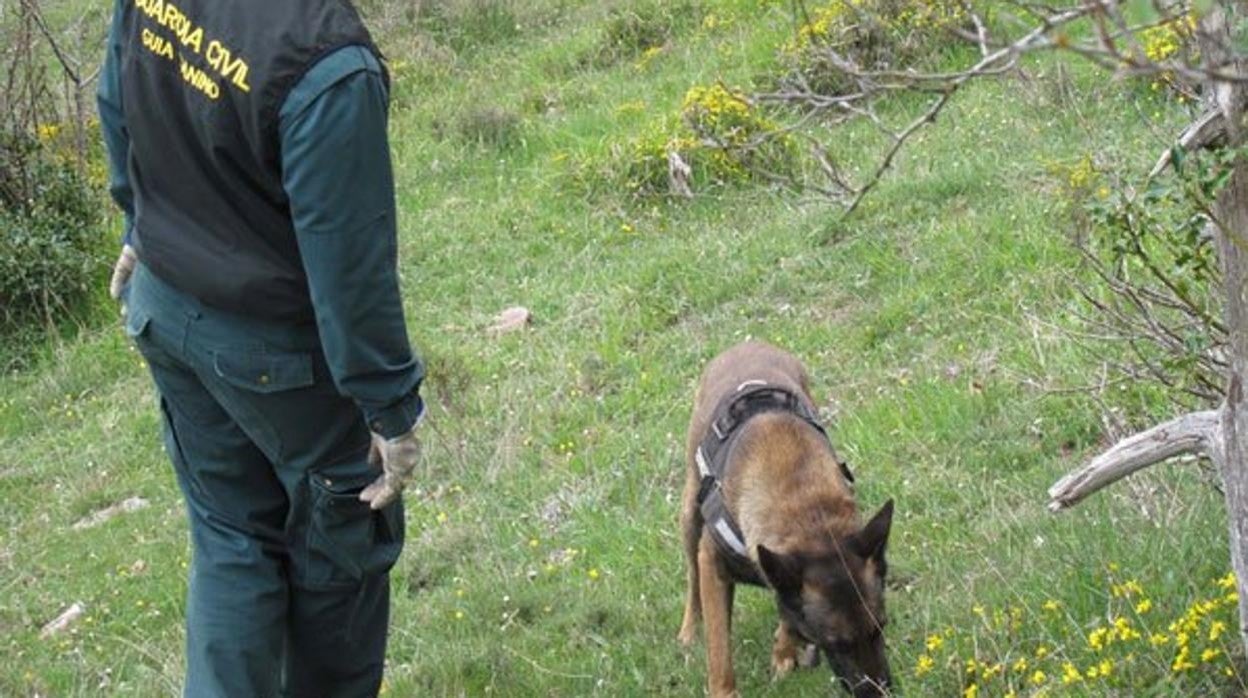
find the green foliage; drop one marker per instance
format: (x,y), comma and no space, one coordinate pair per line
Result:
(868,35)
(50,244)
(721,135)
(631,30)
(1161,286)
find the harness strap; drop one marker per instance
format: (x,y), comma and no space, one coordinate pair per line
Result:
(749,400)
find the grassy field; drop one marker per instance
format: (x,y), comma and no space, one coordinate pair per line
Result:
(543,558)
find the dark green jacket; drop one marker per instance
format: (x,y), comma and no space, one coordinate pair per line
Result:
(335,163)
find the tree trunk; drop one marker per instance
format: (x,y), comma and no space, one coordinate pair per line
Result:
(1223,436)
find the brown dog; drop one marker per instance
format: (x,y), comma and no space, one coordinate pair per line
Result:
(767,502)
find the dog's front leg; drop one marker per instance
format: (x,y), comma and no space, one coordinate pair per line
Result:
(716,593)
(691,534)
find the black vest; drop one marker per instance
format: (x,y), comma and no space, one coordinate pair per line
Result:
(203,82)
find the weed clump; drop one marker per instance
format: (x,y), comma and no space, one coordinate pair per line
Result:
(632,32)
(490,126)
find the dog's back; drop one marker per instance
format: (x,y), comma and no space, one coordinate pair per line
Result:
(748,361)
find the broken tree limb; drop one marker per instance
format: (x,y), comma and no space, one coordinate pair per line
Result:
(1196,432)
(1205,131)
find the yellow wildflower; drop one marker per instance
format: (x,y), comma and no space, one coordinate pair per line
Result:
(1183,660)
(925,665)
(934,642)
(1128,588)
(1038,678)
(1070,674)
(1144,606)
(1216,629)
(1209,655)
(1020,666)
(971,691)
(1124,631)
(1051,605)
(1097,638)
(47,132)
(1042,652)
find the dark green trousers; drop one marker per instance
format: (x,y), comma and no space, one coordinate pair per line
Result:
(289,588)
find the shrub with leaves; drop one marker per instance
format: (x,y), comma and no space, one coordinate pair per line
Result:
(1169,40)
(1154,258)
(720,135)
(50,242)
(866,35)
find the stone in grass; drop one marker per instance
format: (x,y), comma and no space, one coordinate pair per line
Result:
(62,622)
(103,515)
(511,320)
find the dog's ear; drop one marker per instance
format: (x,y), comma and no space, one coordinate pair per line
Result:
(783,572)
(871,541)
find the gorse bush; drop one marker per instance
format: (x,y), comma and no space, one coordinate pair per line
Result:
(722,136)
(867,35)
(51,249)
(1171,40)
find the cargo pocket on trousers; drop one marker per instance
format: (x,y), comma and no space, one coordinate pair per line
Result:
(135,323)
(263,372)
(348,542)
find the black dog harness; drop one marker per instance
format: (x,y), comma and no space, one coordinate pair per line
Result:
(750,399)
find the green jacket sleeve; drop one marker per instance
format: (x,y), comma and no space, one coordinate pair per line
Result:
(337,173)
(113,124)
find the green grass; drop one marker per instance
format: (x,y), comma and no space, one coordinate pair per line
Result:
(543,557)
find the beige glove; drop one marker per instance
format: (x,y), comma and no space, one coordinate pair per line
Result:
(122,271)
(397,458)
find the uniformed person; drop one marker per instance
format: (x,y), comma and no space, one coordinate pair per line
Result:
(248,151)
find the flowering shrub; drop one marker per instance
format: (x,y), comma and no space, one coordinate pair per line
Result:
(722,136)
(1131,647)
(872,34)
(1167,41)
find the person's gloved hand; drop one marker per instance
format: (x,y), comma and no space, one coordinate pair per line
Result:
(397,458)
(122,271)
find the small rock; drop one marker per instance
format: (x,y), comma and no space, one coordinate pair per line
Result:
(62,622)
(132,504)
(511,319)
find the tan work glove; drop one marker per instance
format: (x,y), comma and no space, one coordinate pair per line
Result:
(122,271)
(397,458)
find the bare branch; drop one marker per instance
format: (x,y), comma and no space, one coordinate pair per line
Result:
(1190,434)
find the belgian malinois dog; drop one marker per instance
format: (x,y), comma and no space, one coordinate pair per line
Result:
(781,515)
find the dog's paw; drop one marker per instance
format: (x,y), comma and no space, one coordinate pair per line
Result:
(782,665)
(808,656)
